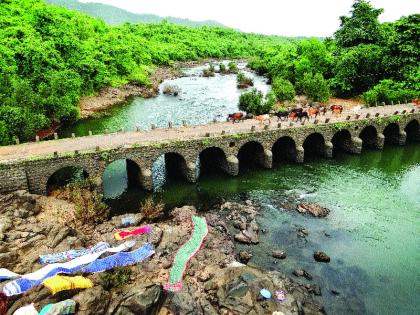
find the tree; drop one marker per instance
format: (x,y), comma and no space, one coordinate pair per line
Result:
(357,69)
(283,89)
(388,91)
(361,27)
(253,102)
(316,87)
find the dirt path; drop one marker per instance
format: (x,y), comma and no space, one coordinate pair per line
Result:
(128,139)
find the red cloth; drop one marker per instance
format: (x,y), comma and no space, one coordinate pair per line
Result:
(126,234)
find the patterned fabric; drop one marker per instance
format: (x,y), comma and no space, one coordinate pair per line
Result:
(72,254)
(127,221)
(120,259)
(61,283)
(26,310)
(185,253)
(65,307)
(35,278)
(126,234)
(7,274)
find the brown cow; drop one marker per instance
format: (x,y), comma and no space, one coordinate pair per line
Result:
(236,117)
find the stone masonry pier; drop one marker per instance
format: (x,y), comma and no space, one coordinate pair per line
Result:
(226,146)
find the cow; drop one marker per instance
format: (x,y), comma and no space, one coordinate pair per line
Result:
(262,118)
(236,117)
(337,109)
(282,115)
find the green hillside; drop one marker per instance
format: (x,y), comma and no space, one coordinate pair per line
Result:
(114,15)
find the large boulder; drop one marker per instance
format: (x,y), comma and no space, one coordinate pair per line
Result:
(142,299)
(92,301)
(313,209)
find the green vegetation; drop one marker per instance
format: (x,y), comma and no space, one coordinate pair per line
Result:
(233,67)
(283,89)
(50,57)
(116,277)
(244,81)
(361,55)
(253,102)
(315,87)
(222,68)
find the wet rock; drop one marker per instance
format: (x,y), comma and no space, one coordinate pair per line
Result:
(335,292)
(244,257)
(302,273)
(321,257)
(313,288)
(247,237)
(313,209)
(279,254)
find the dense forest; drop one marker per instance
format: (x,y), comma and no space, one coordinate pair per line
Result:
(51,56)
(114,15)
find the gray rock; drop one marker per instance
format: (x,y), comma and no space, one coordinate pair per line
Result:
(92,301)
(321,257)
(142,299)
(244,256)
(279,254)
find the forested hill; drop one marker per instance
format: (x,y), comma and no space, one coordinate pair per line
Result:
(114,15)
(51,56)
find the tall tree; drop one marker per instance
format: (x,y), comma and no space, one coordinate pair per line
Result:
(361,27)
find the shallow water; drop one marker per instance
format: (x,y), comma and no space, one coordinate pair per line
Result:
(371,234)
(201,100)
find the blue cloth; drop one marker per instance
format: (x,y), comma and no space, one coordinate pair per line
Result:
(72,254)
(117,260)
(120,259)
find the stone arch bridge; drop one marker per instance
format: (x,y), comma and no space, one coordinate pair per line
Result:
(223,145)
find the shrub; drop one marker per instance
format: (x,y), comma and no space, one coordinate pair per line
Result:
(89,207)
(283,89)
(233,67)
(116,278)
(152,210)
(244,81)
(316,87)
(222,68)
(209,72)
(170,89)
(388,91)
(253,102)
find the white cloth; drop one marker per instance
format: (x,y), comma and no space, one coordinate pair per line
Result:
(26,310)
(7,274)
(80,261)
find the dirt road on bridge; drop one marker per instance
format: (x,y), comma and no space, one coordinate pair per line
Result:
(128,139)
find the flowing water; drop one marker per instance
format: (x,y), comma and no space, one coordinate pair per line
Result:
(371,234)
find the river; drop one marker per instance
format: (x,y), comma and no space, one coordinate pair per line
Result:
(371,234)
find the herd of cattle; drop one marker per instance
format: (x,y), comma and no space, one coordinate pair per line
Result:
(295,114)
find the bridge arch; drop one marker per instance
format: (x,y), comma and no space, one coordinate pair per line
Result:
(284,149)
(119,175)
(392,133)
(369,136)
(63,176)
(251,155)
(172,165)
(314,145)
(212,159)
(342,140)
(412,129)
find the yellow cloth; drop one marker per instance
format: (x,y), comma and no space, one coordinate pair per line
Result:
(61,283)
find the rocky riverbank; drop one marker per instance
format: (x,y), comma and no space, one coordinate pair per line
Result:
(215,282)
(110,96)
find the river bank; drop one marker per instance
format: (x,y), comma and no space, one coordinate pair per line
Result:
(214,283)
(97,105)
